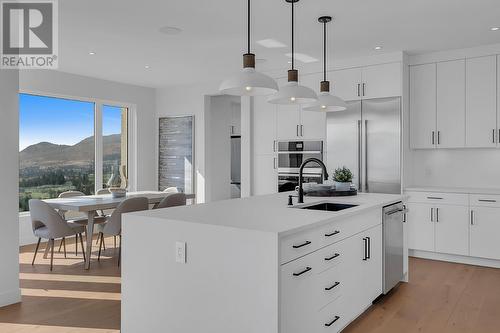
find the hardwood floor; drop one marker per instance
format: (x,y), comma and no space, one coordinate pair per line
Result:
(440,297)
(68,299)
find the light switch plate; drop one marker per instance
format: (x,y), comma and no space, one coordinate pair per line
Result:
(180,252)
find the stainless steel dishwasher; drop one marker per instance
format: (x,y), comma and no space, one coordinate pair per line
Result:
(393,220)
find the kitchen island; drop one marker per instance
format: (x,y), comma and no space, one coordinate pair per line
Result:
(252,265)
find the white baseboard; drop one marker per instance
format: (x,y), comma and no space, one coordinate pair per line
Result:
(10,297)
(455,258)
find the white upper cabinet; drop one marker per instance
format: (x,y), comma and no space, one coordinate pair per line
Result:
(377,81)
(346,84)
(288,122)
(313,125)
(423,106)
(264,126)
(381,81)
(481,99)
(451,104)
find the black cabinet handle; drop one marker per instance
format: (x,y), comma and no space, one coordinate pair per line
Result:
(333,286)
(332,257)
(435,198)
(303,272)
(487,200)
(333,233)
(302,245)
(365,256)
(369,248)
(332,322)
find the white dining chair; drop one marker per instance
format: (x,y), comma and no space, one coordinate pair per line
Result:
(172,200)
(113,225)
(48,224)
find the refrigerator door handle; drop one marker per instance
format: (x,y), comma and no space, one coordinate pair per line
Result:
(366,155)
(360,182)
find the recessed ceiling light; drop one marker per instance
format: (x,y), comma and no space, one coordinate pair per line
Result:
(147,66)
(270,43)
(169,30)
(303,57)
(378,48)
(91,53)
(495,28)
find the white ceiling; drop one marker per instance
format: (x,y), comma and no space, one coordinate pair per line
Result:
(125,34)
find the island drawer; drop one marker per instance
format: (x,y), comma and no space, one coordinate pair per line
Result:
(299,244)
(485,200)
(332,318)
(305,242)
(438,198)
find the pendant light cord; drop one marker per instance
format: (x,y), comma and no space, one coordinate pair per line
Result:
(293,48)
(324,51)
(248,26)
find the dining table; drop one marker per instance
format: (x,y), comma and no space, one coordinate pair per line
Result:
(90,204)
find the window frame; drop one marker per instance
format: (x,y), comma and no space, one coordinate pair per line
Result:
(98,142)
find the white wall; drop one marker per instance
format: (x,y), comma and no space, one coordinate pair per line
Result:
(218,119)
(183,101)
(142,130)
(9,134)
(456,168)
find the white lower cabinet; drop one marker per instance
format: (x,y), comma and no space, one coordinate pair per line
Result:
(325,290)
(454,223)
(452,230)
(420,227)
(485,232)
(438,228)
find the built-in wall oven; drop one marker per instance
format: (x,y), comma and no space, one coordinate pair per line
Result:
(291,154)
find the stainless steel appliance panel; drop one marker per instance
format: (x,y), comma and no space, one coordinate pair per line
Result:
(381,144)
(393,245)
(343,140)
(366,138)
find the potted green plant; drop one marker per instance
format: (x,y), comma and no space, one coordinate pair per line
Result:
(343,179)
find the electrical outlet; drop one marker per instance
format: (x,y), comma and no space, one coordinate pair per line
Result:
(180,252)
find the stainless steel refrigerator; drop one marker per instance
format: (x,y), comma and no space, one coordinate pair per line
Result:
(366,138)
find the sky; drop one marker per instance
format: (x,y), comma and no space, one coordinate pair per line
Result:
(61,121)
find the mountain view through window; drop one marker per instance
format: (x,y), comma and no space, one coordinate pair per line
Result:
(57,146)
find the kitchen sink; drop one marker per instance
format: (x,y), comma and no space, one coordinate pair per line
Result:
(328,206)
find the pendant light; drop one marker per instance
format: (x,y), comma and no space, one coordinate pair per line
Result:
(249,82)
(326,101)
(292,92)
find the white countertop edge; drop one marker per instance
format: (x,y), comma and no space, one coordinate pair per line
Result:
(461,190)
(329,217)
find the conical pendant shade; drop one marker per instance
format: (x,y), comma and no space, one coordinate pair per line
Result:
(326,101)
(292,92)
(249,82)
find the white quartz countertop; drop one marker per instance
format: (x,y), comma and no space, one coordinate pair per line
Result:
(465,190)
(270,213)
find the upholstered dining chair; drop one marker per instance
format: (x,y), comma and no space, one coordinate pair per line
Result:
(76,217)
(48,224)
(113,225)
(172,200)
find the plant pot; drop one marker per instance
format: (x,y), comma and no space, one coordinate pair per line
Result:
(341,186)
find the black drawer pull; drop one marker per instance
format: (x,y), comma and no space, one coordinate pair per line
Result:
(334,285)
(487,200)
(301,245)
(435,198)
(304,271)
(332,322)
(332,257)
(332,234)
